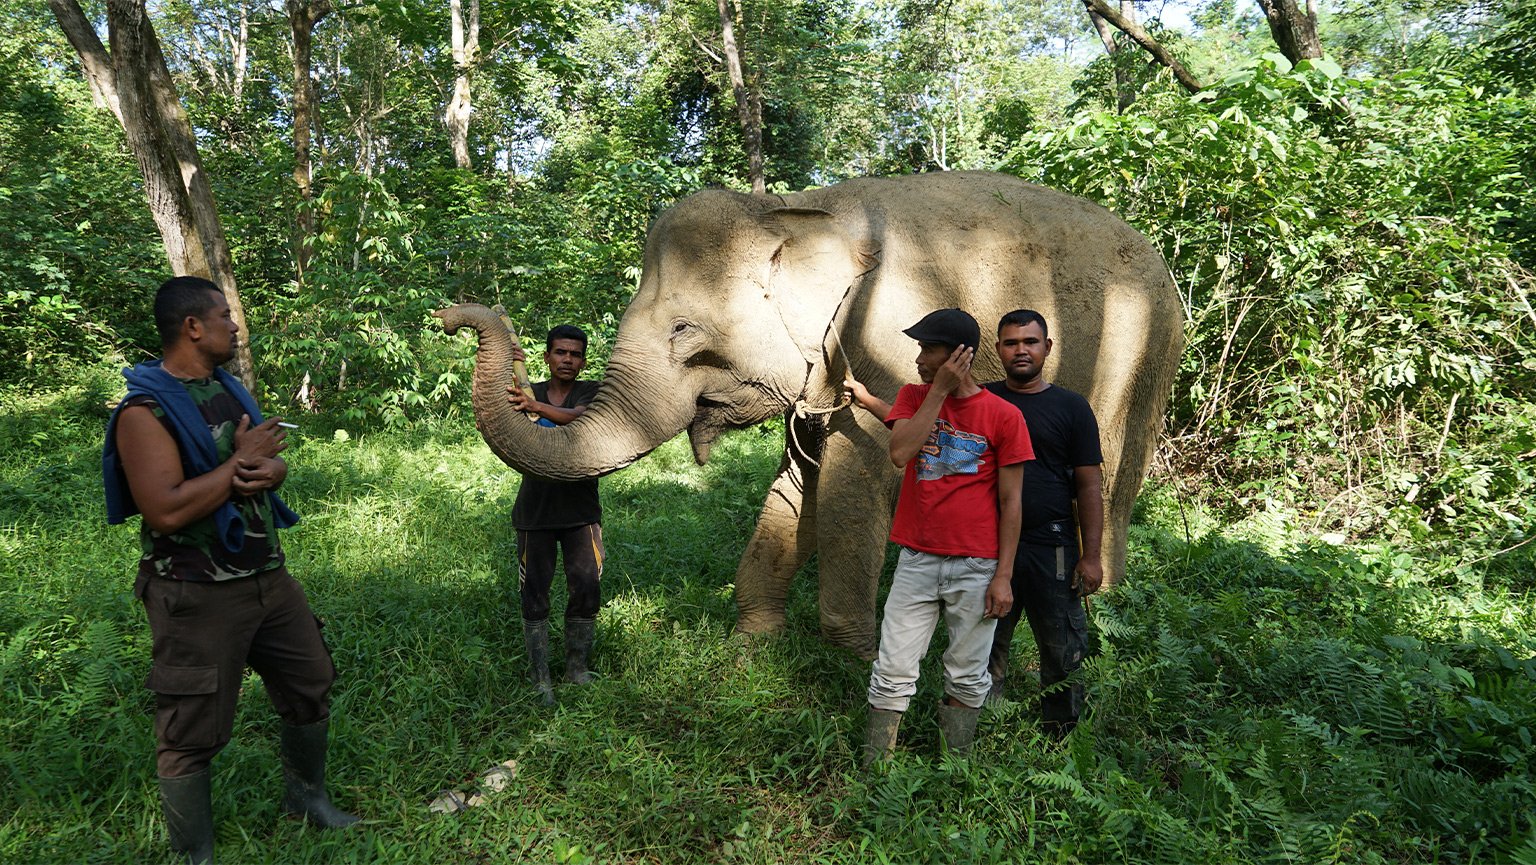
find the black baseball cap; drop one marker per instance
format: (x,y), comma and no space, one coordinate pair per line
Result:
(951,327)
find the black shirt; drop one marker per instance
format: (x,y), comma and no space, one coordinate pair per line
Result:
(1065,435)
(545,505)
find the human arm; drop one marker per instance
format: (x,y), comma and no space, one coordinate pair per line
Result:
(258,475)
(151,463)
(864,399)
(908,435)
(555,414)
(524,401)
(1089,574)
(1010,484)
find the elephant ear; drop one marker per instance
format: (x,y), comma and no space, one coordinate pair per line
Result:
(814,271)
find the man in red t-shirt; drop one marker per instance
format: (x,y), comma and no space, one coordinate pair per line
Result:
(957,522)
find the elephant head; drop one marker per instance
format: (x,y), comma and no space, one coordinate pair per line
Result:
(726,330)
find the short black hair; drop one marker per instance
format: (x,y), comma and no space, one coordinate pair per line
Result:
(1023,317)
(565,331)
(177,298)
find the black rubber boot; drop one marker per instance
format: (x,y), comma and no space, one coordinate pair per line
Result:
(303,754)
(536,640)
(880,736)
(578,648)
(958,724)
(995,693)
(189,816)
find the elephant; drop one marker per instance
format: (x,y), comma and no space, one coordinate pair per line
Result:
(751,307)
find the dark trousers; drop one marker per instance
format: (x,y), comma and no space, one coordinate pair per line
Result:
(1042,591)
(205,634)
(582,550)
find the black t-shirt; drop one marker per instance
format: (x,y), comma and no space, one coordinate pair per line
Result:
(1065,434)
(545,505)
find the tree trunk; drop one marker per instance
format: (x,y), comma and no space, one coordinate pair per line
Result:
(1294,28)
(1124,93)
(1145,40)
(134,77)
(302,17)
(749,106)
(466,53)
(93,56)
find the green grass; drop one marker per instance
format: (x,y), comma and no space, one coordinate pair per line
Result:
(1258,696)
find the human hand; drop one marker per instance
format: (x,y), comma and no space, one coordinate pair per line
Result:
(999,597)
(1088,576)
(955,370)
(517,353)
(856,390)
(254,476)
(522,401)
(258,442)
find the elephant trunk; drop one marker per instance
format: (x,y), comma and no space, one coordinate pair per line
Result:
(621,425)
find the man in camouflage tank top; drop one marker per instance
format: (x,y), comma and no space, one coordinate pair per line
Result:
(189,451)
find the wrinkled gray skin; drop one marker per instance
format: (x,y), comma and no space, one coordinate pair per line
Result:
(731,326)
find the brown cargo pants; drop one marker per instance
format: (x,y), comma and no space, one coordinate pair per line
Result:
(205,635)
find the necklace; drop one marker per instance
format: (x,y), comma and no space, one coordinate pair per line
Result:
(167,367)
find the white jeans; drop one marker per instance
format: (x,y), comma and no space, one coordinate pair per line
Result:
(924,586)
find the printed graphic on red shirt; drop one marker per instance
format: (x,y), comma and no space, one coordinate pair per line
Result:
(949,451)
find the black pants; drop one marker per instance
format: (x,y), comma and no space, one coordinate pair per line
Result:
(582,550)
(1042,590)
(205,634)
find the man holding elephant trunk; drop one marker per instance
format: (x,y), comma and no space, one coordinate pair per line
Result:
(552,516)
(957,521)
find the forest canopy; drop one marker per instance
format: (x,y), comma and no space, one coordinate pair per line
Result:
(1343,198)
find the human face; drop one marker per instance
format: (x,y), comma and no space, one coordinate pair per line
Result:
(566,359)
(931,356)
(216,330)
(1023,348)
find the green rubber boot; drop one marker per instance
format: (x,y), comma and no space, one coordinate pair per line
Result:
(958,726)
(578,648)
(880,736)
(189,816)
(303,754)
(536,640)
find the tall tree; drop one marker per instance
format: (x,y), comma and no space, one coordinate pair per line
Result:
(1146,40)
(1124,93)
(466,54)
(134,78)
(303,15)
(749,104)
(1294,27)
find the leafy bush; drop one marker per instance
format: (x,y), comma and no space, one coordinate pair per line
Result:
(1257,696)
(1358,335)
(78,252)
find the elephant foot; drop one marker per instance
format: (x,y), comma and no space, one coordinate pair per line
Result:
(760,623)
(859,641)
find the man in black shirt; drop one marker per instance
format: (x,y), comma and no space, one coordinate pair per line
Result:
(551,515)
(1058,558)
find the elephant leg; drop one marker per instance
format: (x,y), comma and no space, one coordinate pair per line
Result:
(855,496)
(783,540)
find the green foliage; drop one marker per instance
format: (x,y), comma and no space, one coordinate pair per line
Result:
(1256,696)
(1359,336)
(354,334)
(76,245)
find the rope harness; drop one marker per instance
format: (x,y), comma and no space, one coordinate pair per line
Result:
(803,410)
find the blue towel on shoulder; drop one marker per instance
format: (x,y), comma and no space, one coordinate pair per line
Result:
(195,441)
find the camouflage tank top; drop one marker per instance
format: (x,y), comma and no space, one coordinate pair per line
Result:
(196,552)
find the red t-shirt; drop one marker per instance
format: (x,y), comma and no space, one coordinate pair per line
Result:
(948,503)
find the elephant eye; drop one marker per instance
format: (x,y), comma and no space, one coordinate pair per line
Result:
(679,327)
